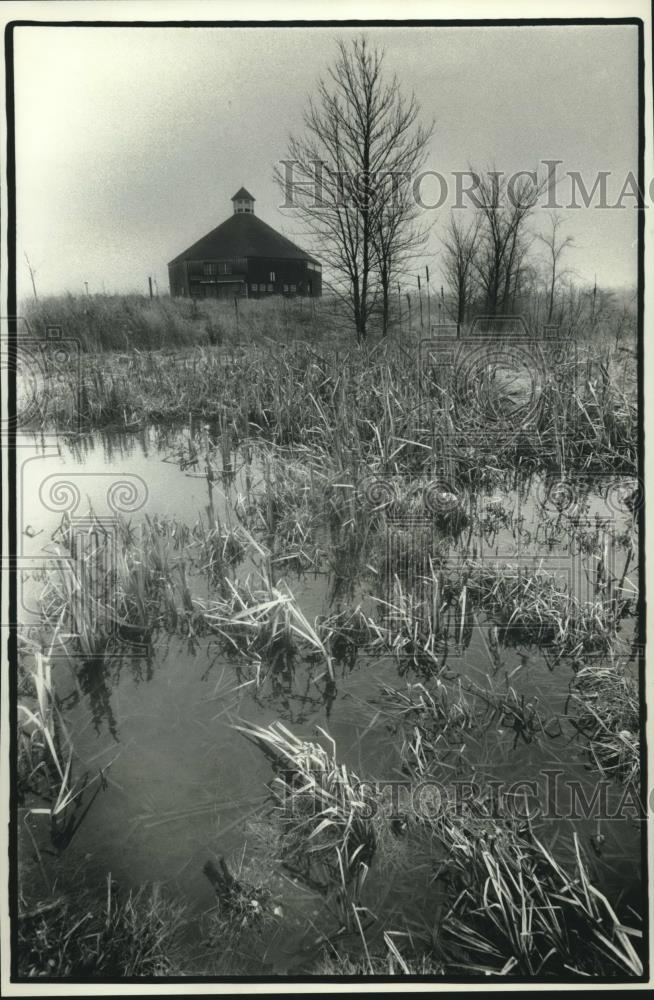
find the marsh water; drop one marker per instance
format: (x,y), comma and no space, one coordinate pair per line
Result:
(184,786)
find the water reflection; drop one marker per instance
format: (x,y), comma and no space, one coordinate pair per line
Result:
(467,603)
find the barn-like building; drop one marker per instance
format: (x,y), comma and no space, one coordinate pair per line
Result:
(244,256)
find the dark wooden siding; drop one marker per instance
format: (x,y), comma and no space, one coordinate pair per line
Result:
(177,279)
(216,279)
(239,276)
(291,277)
(223,266)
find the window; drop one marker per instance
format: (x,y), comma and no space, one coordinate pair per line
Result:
(293,288)
(226,267)
(209,269)
(286,288)
(272,275)
(254,288)
(270,288)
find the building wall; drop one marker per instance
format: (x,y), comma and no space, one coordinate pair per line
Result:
(256,277)
(216,279)
(280,277)
(314,280)
(177,279)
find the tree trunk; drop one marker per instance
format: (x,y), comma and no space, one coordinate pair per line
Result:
(461,309)
(356,304)
(385,281)
(551,303)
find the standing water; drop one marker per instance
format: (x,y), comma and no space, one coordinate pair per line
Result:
(181,786)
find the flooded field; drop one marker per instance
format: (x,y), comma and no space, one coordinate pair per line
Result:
(314,709)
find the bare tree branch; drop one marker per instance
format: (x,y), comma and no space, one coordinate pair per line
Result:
(351,171)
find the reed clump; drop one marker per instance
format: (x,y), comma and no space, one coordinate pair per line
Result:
(438,722)
(367,409)
(507,906)
(46,781)
(123,935)
(116,582)
(605,710)
(522,605)
(122,583)
(327,835)
(265,626)
(518,912)
(133,581)
(246,914)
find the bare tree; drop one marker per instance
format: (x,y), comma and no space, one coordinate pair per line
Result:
(460,246)
(530,300)
(397,234)
(601,306)
(573,312)
(359,133)
(504,205)
(32,274)
(556,244)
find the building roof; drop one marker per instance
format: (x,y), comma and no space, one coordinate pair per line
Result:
(244,235)
(243,195)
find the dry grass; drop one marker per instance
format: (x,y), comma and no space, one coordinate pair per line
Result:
(512,908)
(46,758)
(78,936)
(366,409)
(328,838)
(519,912)
(128,322)
(606,712)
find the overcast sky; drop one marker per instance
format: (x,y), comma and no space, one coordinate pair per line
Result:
(130,142)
